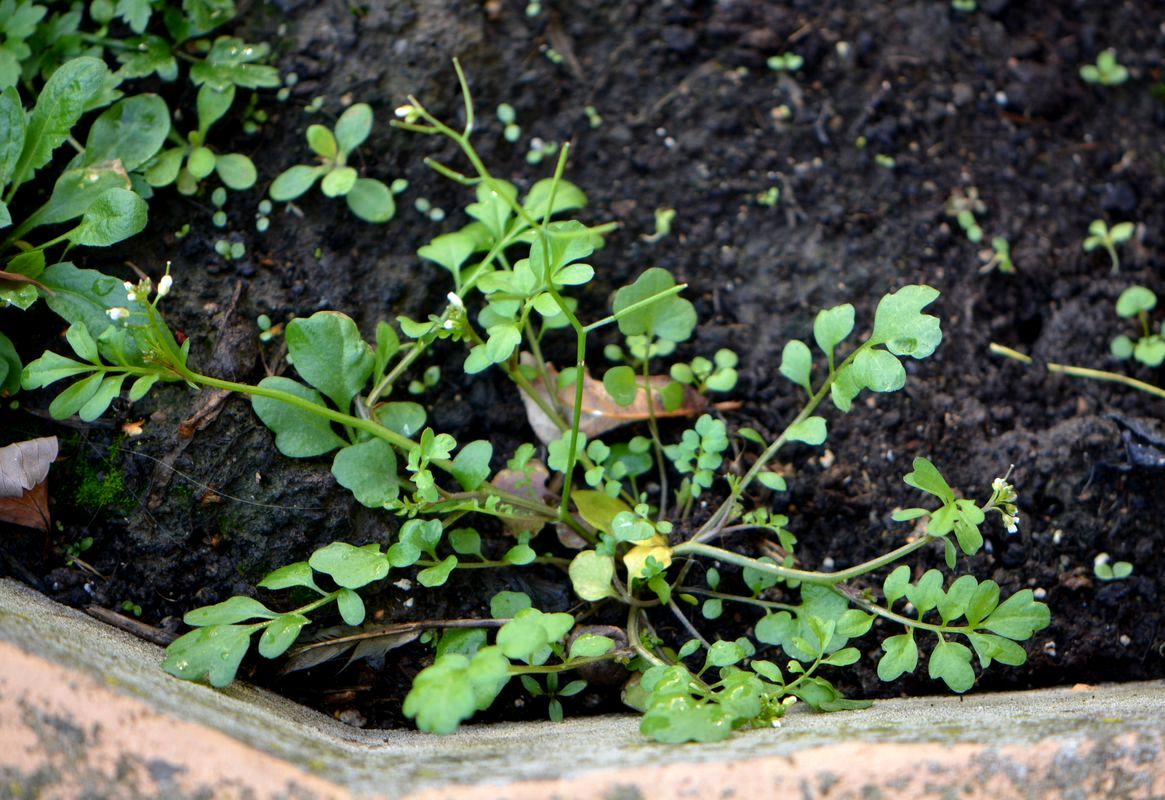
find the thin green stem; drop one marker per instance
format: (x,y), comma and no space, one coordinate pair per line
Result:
(1081,372)
(547,669)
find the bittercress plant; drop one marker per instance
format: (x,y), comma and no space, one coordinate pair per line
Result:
(624,507)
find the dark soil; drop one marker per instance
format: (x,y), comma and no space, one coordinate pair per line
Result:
(693,120)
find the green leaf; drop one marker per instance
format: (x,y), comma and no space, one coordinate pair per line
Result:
(982,602)
(927,593)
(621,385)
(724,654)
(298,574)
(322,142)
(213,103)
(528,636)
(65,97)
(671,318)
(810,430)
(437,575)
(351,607)
(70,401)
(228,612)
(878,371)
(371,201)
(368,470)
(50,368)
(465,541)
(927,478)
(451,250)
(330,354)
(281,634)
(405,418)
(901,656)
(590,645)
(114,216)
(681,719)
(76,190)
(298,433)
(900,325)
(147,55)
(132,131)
(83,296)
(845,387)
(492,209)
(294,181)
(797,363)
(12,130)
(135,13)
(200,163)
(212,654)
(1018,617)
(567,196)
(353,127)
(95,406)
(471,466)
(591,575)
(831,326)
(350,566)
(598,509)
(229,64)
(10,367)
(339,181)
(505,605)
(995,648)
(236,171)
(951,662)
(82,343)
(1134,300)
(164,169)
(454,687)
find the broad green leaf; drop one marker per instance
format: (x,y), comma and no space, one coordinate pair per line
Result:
(438,574)
(147,55)
(598,509)
(228,612)
(559,245)
(12,129)
(901,656)
(995,648)
(351,607)
(503,339)
(339,181)
(471,466)
(465,541)
(528,636)
(900,325)
(621,385)
(879,371)
(114,216)
(454,687)
(65,97)
(200,163)
(1134,300)
(831,326)
(212,654)
(681,719)
(95,406)
(330,354)
(368,470)
(294,182)
(281,634)
(896,583)
(671,318)
(982,602)
(450,250)
(1018,617)
(230,63)
(164,169)
(350,566)
(591,575)
(298,574)
(236,171)
(927,593)
(10,367)
(322,141)
(773,481)
(132,131)
(951,662)
(82,343)
(135,13)
(567,196)
(590,645)
(724,654)
(76,190)
(298,433)
(465,641)
(506,605)
(371,200)
(353,127)
(927,478)
(958,596)
(845,387)
(406,418)
(810,430)
(50,368)
(492,209)
(70,401)
(1150,351)
(797,363)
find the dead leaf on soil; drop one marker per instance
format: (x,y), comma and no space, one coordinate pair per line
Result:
(24,497)
(600,412)
(529,483)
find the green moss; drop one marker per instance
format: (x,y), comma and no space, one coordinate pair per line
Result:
(100,484)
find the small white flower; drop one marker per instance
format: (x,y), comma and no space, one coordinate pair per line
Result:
(117,313)
(455,300)
(164,286)
(408,112)
(448,324)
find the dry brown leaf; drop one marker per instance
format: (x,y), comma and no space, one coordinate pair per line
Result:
(600,412)
(24,497)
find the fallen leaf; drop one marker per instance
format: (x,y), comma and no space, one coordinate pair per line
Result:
(24,497)
(529,483)
(600,412)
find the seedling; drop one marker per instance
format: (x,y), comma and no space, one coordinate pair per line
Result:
(512,130)
(964,6)
(539,150)
(1106,571)
(963,207)
(1149,347)
(785,62)
(998,257)
(769,197)
(1100,235)
(629,546)
(367,198)
(1107,71)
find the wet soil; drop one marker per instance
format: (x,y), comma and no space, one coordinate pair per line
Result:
(898,105)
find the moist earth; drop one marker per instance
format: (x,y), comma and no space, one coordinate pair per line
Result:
(897,106)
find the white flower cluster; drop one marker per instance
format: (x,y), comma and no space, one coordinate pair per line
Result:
(140,293)
(1003,500)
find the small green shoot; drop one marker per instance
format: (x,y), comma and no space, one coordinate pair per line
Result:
(1105,570)
(785,62)
(1100,235)
(1149,347)
(1107,71)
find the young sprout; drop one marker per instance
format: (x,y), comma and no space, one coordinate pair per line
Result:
(1107,71)
(1100,235)
(785,62)
(1106,571)
(593,117)
(769,197)
(512,131)
(964,6)
(998,257)
(963,206)
(1149,349)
